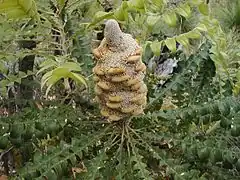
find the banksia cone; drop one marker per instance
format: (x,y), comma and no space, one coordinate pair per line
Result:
(119,74)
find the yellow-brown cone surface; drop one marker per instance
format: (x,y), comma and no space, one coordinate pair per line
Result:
(119,74)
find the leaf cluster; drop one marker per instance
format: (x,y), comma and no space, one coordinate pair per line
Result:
(196,137)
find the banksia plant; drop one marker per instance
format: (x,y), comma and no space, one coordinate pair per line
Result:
(119,73)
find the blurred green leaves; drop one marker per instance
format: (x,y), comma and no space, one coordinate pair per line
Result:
(59,69)
(19,8)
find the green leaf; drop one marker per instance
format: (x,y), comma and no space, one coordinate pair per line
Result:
(3,68)
(61,72)
(141,167)
(61,3)
(170,19)
(16,130)
(4,142)
(123,160)
(95,164)
(48,62)
(152,20)
(182,39)
(121,13)
(4,82)
(18,8)
(156,47)
(45,78)
(8,4)
(238,75)
(78,78)
(3,90)
(51,175)
(138,4)
(30,72)
(194,34)
(158,3)
(15,13)
(71,66)
(22,74)
(50,82)
(171,44)
(196,2)
(184,10)
(25,4)
(44,68)
(46,65)
(201,27)
(53,79)
(203,8)
(99,16)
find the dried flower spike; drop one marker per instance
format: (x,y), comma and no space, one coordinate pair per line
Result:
(119,74)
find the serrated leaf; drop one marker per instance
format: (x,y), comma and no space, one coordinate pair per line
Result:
(156,47)
(51,175)
(141,167)
(171,44)
(170,19)
(95,164)
(122,163)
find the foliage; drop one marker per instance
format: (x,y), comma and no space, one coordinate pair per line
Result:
(190,129)
(56,43)
(172,143)
(156,15)
(184,143)
(62,70)
(228,13)
(19,8)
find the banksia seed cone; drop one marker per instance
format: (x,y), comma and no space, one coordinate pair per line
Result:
(119,74)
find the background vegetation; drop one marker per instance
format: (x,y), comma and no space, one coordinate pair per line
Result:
(50,125)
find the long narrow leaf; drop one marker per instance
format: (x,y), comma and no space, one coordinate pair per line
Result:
(78,78)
